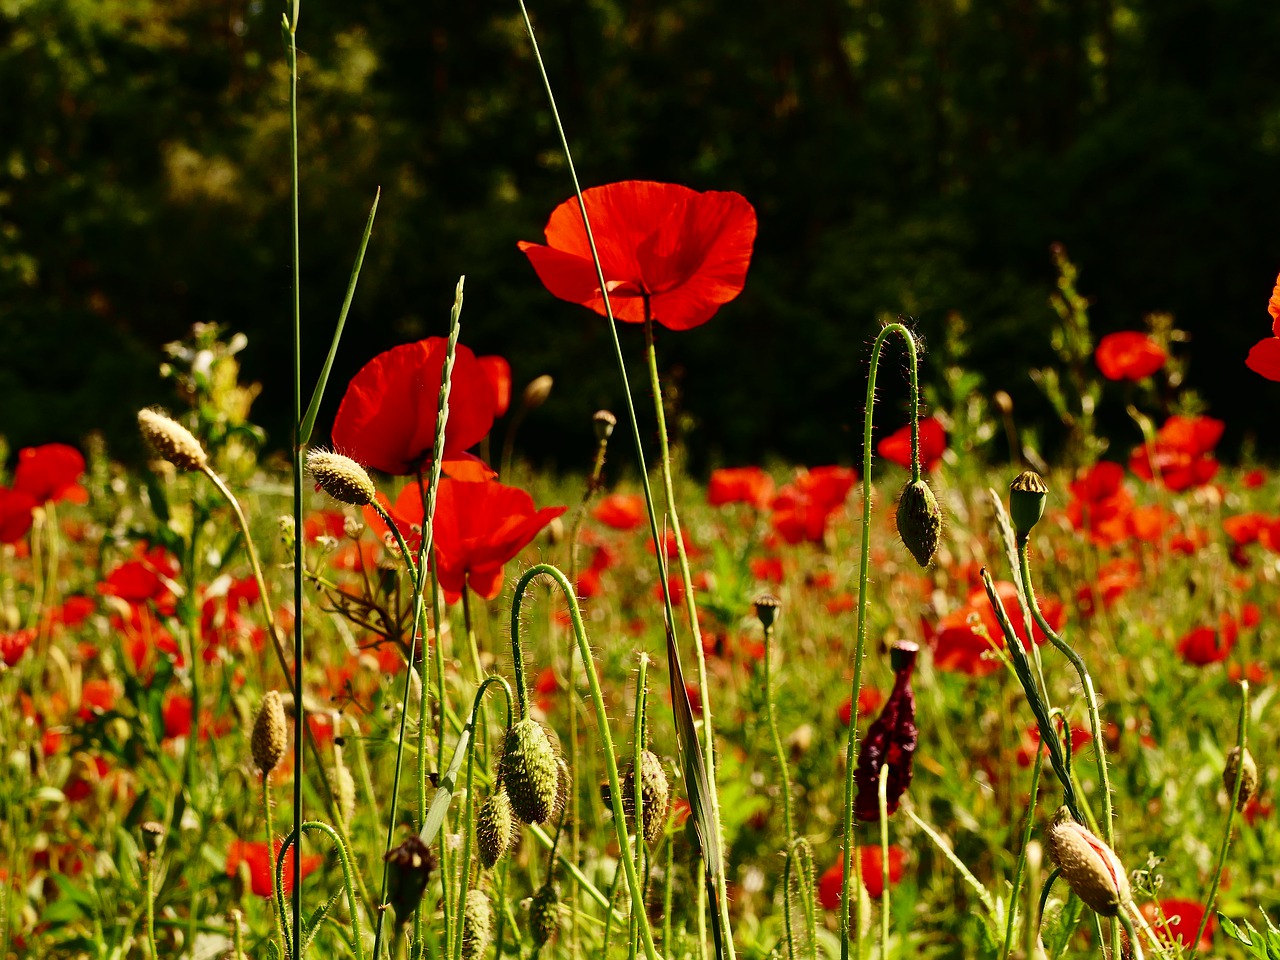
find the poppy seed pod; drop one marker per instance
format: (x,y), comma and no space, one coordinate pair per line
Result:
(171,440)
(544,915)
(603,421)
(477,925)
(655,793)
(152,835)
(529,771)
(919,521)
(767,609)
(409,869)
(495,827)
(270,733)
(1246,771)
(1090,867)
(1027,496)
(341,478)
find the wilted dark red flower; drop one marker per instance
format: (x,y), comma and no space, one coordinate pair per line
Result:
(802,508)
(896,447)
(890,741)
(1181,453)
(684,252)
(387,418)
(749,485)
(254,853)
(621,511)
(50,472)
(1129,355)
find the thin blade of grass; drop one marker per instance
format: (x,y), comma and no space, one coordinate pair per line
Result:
(444,792)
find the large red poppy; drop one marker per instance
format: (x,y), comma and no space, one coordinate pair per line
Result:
(1129,355)
(686,252)
(387,418)
(1181,921)
(958,643)
(15,514)
(933,444)
(1264,357)
(871,863)
(499,373)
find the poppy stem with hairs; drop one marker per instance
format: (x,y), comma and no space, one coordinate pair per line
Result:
(864,567)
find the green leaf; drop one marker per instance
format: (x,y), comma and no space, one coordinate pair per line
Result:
(312,923)
(444,792)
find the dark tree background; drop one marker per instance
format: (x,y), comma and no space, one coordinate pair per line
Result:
(913,156)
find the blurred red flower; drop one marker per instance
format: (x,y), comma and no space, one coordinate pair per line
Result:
(96,696)
(254,854)
(498,372)
(14,645)
(1183,919)
(1264,357)
(802,508)
(1100,505)
(1180,453)
(1129,355)
(176,714)
(684,252)
(1206,645)
(871,868)
(933,443)
(621,511)
(50,472)
(958,643)
(15,514)
(749,485)
(387,418)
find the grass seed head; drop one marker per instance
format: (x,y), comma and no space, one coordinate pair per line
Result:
(270,733)
(171,440)
(529,771)
(495,827)
(919,521)
(341,477)
(1090,867)
(655,794)
(1246,771)
(477,925)
(537,392)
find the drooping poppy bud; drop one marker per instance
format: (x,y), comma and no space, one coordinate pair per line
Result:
(890,740)
(270,733)
(655,794)
(919,521)
(477,924)
(1246,771)
(529,771)
(495,827)
(1090,867)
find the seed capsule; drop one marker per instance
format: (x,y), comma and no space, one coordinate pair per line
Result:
(1246,772)
(409,869)
(1091,868)
(495,827)
(529,771)
(919,521)
(655,794)
(1027,496)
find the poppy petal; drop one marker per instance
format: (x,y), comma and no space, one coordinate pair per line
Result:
(1264,358)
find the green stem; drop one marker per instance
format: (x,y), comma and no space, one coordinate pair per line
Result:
(271,851)
(864,565)
(884,862)
(344,858)
(1022,856)
(945,848)
(602,720)
(784,775)
(151,907)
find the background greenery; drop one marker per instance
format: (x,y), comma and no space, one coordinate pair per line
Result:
(915,156)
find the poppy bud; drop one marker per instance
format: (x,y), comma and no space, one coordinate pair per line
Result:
(341,478)
(1027,496)
(767,609)
(655,793)
(537,392)
(270,733)
(477,925)
(529,771)
(890,741)
(919,521)
(544,915)
(1247,773)
(152,836)
(409,869)
(171,440)
(495,827)
(1090,867)
(604,422)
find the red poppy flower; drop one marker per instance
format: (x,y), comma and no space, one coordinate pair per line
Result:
(50,472)
(1180,452)
(14,645)
(1206,645)
(498,372)
(254,853)
(1129,356)
(96,696)
(621,511)
(933,443)
(802,508)
(684,252)
(176,714)
(1183,920)
(1246,528)
(749,485)
(1264,358)
(15,514)
(958,643)
(871,868)
(387,418)
(144,578)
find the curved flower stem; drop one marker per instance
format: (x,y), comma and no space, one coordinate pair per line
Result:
(344,856)
(1022,855)
(602,719)
(468,819)
(1233,803)
(864,567)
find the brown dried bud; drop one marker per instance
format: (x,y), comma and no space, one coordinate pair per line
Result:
(270,733)
(1091,868)
(1247,773)
(537,392)
(171,440)
(341,477)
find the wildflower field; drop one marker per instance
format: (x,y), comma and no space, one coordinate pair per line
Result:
(401,694)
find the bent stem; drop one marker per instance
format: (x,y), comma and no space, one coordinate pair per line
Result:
(344,857)
(864,567)
(602,720)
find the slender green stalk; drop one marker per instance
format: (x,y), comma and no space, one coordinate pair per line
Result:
(150,893)
(864,567)
(884,862)
(797,851)
(344,859)
(668,891)
(784,774)
(1242,741)
(945,848)
(237,935)
(602,720)
(271,852)
(1022,857)
(589,888)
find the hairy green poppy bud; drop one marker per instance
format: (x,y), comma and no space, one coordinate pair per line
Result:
(655,794)
(604,422)
(341,477)
(544,915)
(270,733)
(529,771)
(477,925)
(409,869)
(171,440)
(495,827)
(1245,771)
(1027,496)
(767,609)
(919,521)
(1091,868)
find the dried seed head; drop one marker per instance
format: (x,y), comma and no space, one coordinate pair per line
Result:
(767,609)
(544,915)
(341,477)
(495,827)
(1027,496)
(409,869)
(604,422)
(529,771)
(270,733)
(919,521)
(537,392)
(152,835)
(477,925)
(655,793)
(171,440)
(1091,868)
(1247,773)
